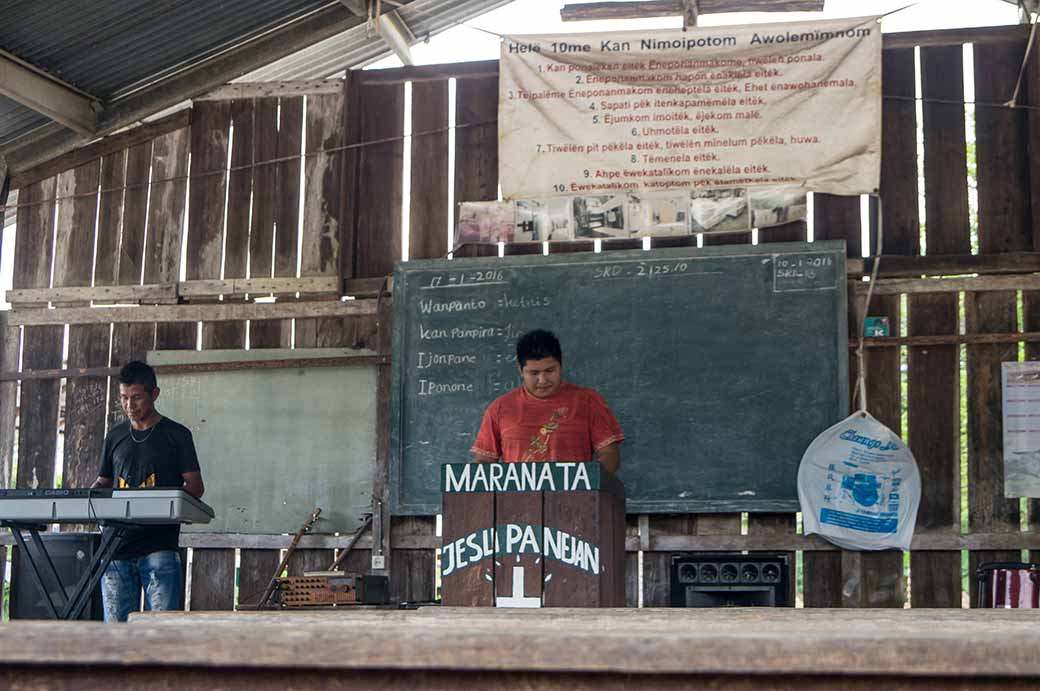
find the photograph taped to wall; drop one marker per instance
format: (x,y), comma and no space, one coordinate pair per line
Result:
(486,222)
(1021,392)
(773,206)
(658,213)
(716,211)
(544,220)
(601,216)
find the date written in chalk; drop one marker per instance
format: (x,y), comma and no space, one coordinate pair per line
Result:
(641,270)
(804,272)
(464,279)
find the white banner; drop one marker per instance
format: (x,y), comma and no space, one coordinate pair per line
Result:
(795,104)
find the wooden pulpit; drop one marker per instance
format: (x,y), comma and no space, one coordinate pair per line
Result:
(532,535)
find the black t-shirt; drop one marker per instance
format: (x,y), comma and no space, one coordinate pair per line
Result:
(154,458)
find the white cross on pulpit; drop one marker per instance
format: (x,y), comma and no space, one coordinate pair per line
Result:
(517,599)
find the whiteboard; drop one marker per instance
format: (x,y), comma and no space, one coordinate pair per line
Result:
(274,444)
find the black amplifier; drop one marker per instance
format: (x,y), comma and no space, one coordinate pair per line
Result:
(714,579)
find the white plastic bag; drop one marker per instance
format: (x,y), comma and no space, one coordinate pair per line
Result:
(859,486)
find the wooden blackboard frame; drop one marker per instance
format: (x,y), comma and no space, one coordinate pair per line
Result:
(401,504)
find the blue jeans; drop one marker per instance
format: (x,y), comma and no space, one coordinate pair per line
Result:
(159,573)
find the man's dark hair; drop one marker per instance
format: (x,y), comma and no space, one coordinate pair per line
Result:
(536,345)
(137,372)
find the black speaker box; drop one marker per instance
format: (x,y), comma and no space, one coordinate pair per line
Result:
(71,554)
(730,580)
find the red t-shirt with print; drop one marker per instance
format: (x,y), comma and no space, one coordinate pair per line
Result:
(569,426)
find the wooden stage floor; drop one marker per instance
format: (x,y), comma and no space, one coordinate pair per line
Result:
(448,648)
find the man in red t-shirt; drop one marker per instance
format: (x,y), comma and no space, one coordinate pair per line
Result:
(547,419)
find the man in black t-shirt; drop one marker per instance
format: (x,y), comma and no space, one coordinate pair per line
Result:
(151,451)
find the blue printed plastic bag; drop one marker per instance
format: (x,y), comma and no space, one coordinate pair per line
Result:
(859,487)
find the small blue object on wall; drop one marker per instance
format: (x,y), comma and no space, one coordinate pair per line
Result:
(875,326)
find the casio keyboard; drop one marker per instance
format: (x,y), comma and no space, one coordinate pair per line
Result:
(30,510)
(134,506)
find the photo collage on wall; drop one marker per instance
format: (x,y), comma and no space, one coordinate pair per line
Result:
(629,215)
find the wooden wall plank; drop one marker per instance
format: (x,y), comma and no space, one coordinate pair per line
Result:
(1004,226)
(428,225)
(304,560)
(255,569)
(945,156)
(350,172)
(110,218)
(240,189)
(10,345)
(476,140)
(1001,136)
(899,192)
(880,580)
(212,579)
(837,217)
(933,380)
(379,195)
(631,564)
(85,400)
(34,238)
(323,176)
(166,207)
(412,575)
(657,581)
(287,218)
(42,345)
(38,431)
(135,214)
(77,212)
(211,122)
(265,187)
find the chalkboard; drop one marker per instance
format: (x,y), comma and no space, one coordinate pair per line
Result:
(721,363)
(274,444)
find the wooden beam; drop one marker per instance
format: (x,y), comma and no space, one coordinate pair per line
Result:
(305,87)
(953,37)
(927,541)
(104,147)
(255,286)
(898,286)
(47,95)
(200,367)
(426,73)
(146,294)
(897,266)
(951,339)
(194,313)
(675,8)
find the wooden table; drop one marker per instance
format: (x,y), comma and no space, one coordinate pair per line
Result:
(718,649)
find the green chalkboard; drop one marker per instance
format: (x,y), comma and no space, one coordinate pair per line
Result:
(721,363)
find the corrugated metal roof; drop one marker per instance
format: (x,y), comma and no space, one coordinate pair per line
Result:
(113,49)
(107,47)
(16,119)
(359,46)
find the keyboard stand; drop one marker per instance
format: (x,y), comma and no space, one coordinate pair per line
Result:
(71,607)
